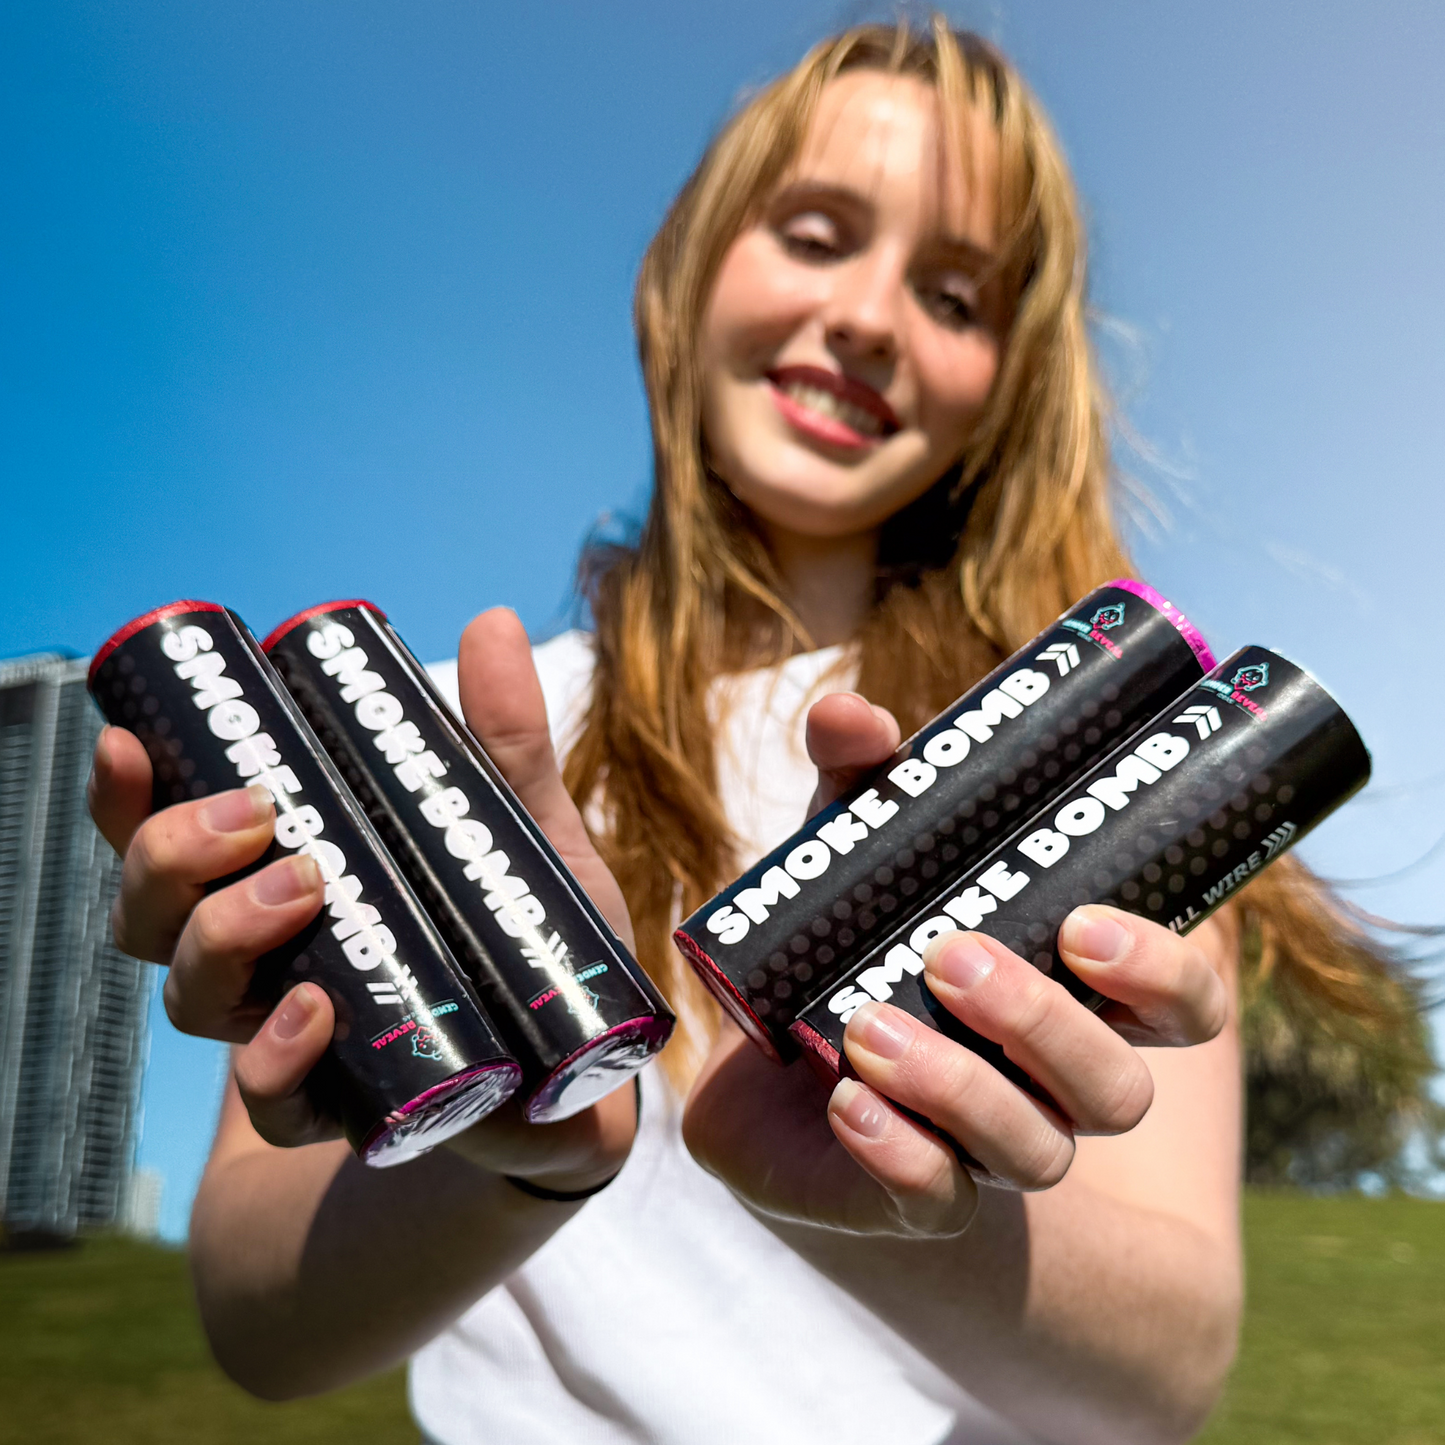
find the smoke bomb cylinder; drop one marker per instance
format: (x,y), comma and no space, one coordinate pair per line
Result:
(790,928)
(1170,826)
(578,1013)
(413,1059)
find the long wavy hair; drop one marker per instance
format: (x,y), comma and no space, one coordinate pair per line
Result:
(1013,533)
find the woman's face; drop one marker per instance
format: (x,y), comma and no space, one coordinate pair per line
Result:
(849,345)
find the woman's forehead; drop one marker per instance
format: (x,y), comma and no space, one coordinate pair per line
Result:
(882,137)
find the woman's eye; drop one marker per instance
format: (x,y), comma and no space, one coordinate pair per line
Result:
(811,235)
(954,303)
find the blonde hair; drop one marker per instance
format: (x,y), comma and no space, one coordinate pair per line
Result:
(1024,516)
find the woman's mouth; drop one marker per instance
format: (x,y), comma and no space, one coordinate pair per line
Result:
(831,408)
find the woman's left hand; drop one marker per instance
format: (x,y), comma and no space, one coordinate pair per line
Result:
(792,1152)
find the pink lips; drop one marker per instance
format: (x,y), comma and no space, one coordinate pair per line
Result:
(828,429)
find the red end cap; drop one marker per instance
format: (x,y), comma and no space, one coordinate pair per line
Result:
(277,633)
(822,1057)
(726,993)
(139,624)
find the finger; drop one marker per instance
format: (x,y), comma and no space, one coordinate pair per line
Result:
(1015,1137)
(119,790)
(1166,988)
(503,704)
(175,853)
(930,1192)
(205,990)
(847,737)
(1098,1081)
(271,1070)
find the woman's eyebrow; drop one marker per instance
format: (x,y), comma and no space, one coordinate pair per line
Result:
(803,188)
(964,251)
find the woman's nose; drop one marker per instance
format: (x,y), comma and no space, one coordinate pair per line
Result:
(861,316)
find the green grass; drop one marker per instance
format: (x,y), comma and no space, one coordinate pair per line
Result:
(1344,1332)
(101,1343)
(1344,1343)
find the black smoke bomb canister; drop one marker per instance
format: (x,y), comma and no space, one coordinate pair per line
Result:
(413,1059)
(786,931)
(574,1007)
(1169,827)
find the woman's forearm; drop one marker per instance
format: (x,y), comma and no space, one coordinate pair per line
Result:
(1077,1316)
(312,1270)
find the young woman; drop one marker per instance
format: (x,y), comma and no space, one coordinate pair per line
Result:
(880,463)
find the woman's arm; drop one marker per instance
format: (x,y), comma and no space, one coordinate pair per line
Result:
(1105,1308)
(311,1269)
(1101,1306)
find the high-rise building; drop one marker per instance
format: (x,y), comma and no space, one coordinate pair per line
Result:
(72,1006)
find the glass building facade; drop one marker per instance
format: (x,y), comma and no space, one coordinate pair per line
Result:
(72,1007)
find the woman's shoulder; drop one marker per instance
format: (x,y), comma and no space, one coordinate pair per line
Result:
(564,668)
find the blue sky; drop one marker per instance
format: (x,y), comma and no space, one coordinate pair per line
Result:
(333,299)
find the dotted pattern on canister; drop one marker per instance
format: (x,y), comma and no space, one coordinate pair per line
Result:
(1232,810)
(176,778)
(778,991)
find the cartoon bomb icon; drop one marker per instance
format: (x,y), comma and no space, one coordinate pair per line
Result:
(1251,677)
(426,1045)
(1109,616)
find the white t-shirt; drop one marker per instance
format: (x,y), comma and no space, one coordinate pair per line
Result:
(663,1313)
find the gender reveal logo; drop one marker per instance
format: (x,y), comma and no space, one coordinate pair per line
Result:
(1246,680)
(1104,620)
(425,1045)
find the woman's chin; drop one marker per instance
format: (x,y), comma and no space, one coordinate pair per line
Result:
(824,510)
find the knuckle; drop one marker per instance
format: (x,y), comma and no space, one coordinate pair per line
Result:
(932,1196)
(936,1072)
(173,995)
(216,933)
(1047,1161)
(1034,1010)
(156,851)
(1125,1100)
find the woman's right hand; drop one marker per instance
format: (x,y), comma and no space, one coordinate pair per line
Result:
(211,941)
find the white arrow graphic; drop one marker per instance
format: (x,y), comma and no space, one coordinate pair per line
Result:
(1204,718)
(1064,656)
(1279,839)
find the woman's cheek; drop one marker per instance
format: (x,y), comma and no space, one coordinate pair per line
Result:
(759,299)
(955,376)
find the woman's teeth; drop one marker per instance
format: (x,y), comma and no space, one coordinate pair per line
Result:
(825,403)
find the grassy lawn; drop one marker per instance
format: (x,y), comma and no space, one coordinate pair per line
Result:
(101,1343)
(1344,1343)
(1344,1337)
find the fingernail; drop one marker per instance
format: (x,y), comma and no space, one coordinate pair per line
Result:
(881,1031)
(859,1110)
(297,1011)
(286,881)
(959,960)
(1094,936)
(237,811)
(102,748)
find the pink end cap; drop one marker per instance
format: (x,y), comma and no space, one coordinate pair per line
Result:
(1185,628)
